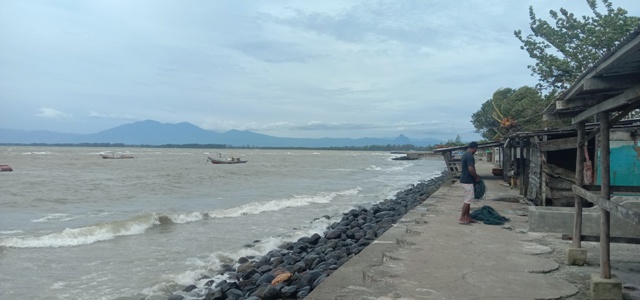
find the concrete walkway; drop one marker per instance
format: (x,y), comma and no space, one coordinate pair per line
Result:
(429,255)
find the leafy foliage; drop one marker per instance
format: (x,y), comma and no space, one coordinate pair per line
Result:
(578,42)
(509,111)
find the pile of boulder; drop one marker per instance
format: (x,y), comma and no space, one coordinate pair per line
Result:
(294,269)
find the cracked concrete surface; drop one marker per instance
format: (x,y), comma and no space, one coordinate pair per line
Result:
(428,255)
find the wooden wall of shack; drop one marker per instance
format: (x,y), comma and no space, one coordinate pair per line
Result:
(545,165)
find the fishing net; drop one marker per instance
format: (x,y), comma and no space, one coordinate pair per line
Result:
(488,216)
(479,189)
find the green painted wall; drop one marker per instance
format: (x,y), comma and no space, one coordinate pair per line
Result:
(625,164)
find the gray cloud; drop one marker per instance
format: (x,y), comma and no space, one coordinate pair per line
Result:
(286,68)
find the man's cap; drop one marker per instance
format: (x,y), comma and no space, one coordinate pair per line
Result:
(473,145)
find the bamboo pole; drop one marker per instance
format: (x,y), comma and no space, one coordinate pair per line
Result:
(605,216)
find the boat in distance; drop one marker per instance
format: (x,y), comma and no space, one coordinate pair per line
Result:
(114,156)
(225,161)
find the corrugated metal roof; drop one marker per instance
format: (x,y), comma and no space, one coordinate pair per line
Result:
(483,145)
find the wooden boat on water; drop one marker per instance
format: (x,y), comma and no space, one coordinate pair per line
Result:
(113,156)
(5,168)
(225,161)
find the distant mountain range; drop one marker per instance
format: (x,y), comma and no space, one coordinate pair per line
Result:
(151,132)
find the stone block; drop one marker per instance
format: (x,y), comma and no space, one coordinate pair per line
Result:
(576,256)
(605,289)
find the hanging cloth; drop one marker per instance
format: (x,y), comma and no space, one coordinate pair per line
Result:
(588,168)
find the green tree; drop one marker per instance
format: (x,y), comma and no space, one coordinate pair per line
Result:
(568,47)
(509,111)
(454,142)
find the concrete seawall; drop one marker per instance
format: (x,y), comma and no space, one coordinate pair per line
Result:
(429,255)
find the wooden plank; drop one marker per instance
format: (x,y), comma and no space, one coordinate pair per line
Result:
(557,194)
(588,138)
(628,96)
(589,196)
(615,188)
(624,213)
(558,144)
(558,183)
(560,104)
(534,174)
(558,172)
(596,238)
(633,106)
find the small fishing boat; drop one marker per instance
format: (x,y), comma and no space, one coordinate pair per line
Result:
(114,156)
(5,168)
(225,161)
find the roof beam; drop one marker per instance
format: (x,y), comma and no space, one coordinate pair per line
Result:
(610,82)
(628,96)
(560,104)
(626,50)
(558,144)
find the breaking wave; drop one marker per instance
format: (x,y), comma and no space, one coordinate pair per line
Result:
(71,237)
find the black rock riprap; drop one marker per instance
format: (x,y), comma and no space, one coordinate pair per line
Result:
(311,259)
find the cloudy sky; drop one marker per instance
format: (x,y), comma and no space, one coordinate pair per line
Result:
(330,68)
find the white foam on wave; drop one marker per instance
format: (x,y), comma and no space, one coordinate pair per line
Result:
(396,168)
(8,232)
(36,153)
(373,168)
(52,217)
(66,217)
(71,237)
(267,244)
(212,263)
(184,218)
(255,208)
(84,235)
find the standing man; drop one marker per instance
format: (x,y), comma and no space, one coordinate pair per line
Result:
(468,176)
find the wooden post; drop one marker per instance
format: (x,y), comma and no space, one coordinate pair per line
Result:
(521,167)
(577,217)
(605,180)
(506,162)
(501,150)
(514,160)
(527,167)
(543,175)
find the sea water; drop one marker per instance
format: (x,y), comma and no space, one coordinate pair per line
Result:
(76,226)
